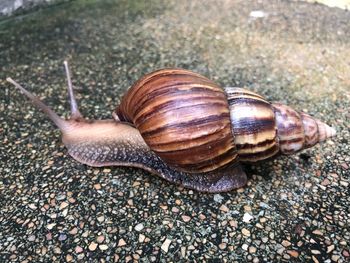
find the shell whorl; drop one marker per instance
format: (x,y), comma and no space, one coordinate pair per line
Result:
(298,130)
(253,125)
(183,117)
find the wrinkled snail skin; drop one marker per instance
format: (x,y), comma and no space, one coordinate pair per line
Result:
(182,127)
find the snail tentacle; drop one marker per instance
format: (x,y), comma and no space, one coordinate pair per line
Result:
(75,113)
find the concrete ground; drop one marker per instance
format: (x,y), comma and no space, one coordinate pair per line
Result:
(293,209)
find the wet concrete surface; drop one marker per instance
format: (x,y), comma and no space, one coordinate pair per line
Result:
(54,209)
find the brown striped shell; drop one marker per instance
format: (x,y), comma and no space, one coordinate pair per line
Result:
(195,126)
(183,117)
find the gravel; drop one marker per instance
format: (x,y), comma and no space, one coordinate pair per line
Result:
(293,209)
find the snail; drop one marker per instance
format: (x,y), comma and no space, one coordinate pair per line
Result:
(183,127)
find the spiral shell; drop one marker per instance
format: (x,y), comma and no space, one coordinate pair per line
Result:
(183,117)
(195,126)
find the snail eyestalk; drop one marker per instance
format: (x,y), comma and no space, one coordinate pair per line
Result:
(60,123)
(75,113)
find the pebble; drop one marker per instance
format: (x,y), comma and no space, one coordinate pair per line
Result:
(224,208)
(346,253)
(315,252)
(246,232)
(31,238)
(222,246)
(139,227)
(293,253)
(78,249)
(63,205)
(185,218)
(121,242)
(286,243)
(218,198)
(101,219)
(92,246)
(247,218)
(69,258)
(175,209)
(32,206)
(62,237)
(100,239)
(165,245)
(252,250)
(50,226)
(73,231)
(245,247)
(103,247)
(317,232)
(141,238)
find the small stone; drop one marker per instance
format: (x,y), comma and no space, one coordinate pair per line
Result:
(92,246)
(246,232)
(325,182)
(245,247)
(317,232)
(62,237)
(183,252)
(185,218)
(141,238)
(202,217)
(344,165)
(116,258)
(31,238)
(69,258)
(73,231)
(139,227)
(63,205)
(224,208)
(247,208)
(121,242)
(32,206)
(175,209)
(218,198)
(100,239)
(344,183)
(50,226)
(65,212)
(335,258)
(315,252)
(314,259)
(106,170)
(222,246)
(252,250)
(286,243)
(97,186)
(165,245)
(78,249)
(101,219)
(233,223)
(258,225)
(293,253)
(247,217)
(103,247)
(346,253)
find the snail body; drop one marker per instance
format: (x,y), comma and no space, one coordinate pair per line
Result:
(185,128)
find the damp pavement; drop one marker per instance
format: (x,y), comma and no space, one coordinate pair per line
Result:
(293,209)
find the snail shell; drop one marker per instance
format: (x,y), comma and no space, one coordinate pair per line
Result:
(195,126)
